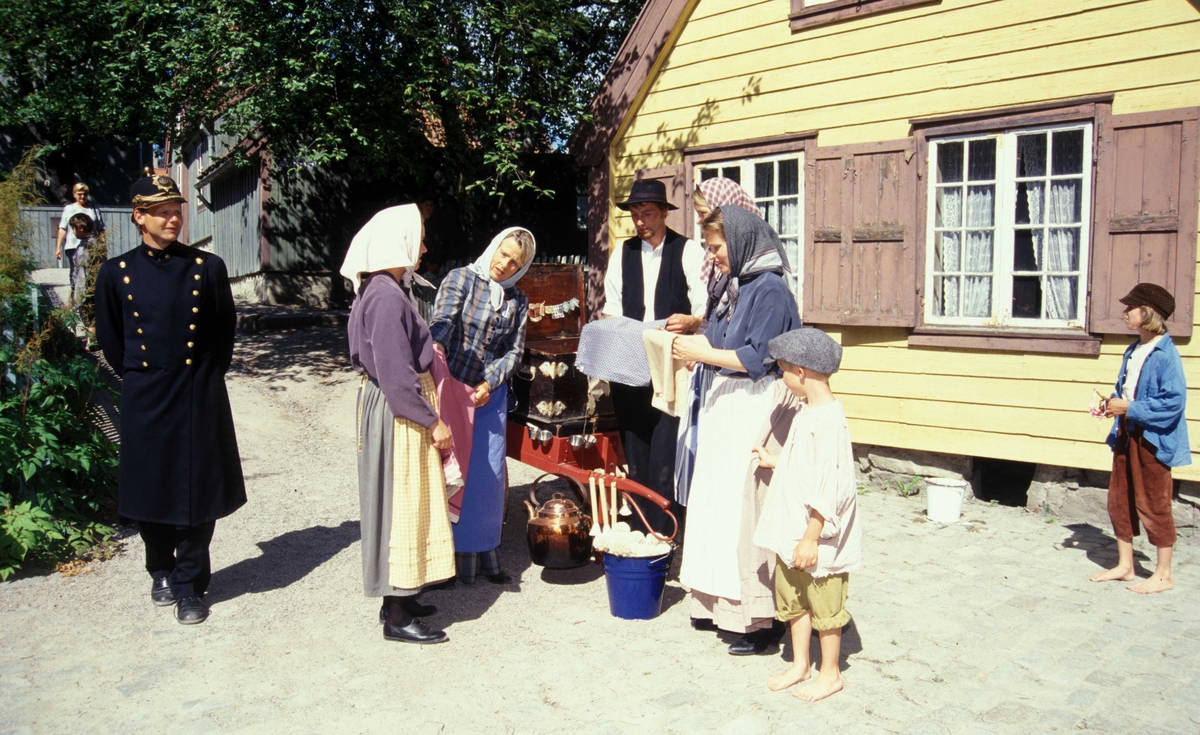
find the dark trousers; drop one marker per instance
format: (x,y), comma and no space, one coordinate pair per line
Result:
(179,553)
(1140,489)
(649,438)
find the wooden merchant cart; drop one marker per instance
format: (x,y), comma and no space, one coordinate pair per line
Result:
(557,425)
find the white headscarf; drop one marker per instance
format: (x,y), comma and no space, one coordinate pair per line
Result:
(391,239)
(482,267)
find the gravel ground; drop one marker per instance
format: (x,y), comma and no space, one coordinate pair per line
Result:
(989,625)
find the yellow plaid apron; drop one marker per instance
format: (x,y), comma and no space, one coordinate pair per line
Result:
(421,544)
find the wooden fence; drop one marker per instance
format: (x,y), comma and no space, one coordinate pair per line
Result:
(122,234)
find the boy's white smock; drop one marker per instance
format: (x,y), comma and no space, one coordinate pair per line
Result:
(815,471)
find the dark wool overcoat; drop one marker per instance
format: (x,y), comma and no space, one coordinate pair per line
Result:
(165,320)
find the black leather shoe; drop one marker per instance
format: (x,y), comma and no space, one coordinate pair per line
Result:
(411,606)
(758,642)
(499,578)
(160,592)
(191,611)
(704,624)
(415,632)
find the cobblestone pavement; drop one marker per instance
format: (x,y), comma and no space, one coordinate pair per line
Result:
(989,625)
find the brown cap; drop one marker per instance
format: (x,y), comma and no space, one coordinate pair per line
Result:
(1152,295)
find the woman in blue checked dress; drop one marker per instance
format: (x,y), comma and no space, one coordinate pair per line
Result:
(479,320)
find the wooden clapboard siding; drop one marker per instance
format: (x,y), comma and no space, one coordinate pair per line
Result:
(736,72)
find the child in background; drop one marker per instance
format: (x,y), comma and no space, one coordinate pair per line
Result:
(83,272)
(810,518)
(1148,438)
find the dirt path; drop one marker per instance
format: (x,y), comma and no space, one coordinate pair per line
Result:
(986,626)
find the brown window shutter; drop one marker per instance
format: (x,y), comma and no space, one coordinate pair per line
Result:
(1144,226)
(673,177)
(860,258)
(824,249)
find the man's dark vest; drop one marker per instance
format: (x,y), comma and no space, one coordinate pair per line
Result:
(671,291)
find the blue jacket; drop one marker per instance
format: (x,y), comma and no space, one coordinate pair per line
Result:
(1159,402)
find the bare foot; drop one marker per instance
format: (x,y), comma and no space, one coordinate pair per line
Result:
(820,688)
(1116,574)
(1154,583)
(791,677)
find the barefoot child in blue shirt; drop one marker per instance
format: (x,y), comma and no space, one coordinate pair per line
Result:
(810,517)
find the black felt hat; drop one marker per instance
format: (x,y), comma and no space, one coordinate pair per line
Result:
(1152,295)
(647,191)
(153,189)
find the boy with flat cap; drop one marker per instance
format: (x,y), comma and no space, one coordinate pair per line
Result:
(165,320)
(810,517)
(1148,438)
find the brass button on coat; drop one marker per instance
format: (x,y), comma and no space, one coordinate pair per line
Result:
(195,310)
(139,330)
(143,348)
(197,276)
(126,279)
(191,344)
(145,364)
(195,293)
(135,314)
(199,261)
(130,297)
(188,361)
(122,263)
(192,327)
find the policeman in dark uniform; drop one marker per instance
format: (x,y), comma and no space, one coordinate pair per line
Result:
(165,320)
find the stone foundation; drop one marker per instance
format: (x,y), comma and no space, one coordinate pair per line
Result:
(1063,492)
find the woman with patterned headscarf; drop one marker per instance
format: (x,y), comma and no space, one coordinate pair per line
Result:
(479,320)
(406,538)
(728,576)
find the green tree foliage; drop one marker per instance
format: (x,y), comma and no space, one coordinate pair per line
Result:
(58,471)
(395,88)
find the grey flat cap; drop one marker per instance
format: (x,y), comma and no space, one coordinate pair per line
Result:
(809,348)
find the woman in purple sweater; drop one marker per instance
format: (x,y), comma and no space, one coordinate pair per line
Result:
(406,538)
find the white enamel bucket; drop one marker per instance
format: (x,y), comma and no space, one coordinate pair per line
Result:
(945,498)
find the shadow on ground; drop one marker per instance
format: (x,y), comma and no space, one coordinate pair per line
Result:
(851,644)
(1099,548)
(285,560)
(290,355)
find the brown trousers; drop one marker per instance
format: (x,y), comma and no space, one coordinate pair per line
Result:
(1140,490)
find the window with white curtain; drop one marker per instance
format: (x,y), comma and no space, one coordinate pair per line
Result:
(1007,229)
(777,187)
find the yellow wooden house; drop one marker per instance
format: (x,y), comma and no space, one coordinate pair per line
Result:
(966,188)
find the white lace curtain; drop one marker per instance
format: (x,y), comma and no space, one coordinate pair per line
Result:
(976,290)
(1062,245)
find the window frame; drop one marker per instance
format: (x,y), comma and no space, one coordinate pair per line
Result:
(747,166)
(1096,109)
(1004,228)
(807,14)
(797,144)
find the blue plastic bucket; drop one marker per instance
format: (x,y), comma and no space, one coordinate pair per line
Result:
(635,585)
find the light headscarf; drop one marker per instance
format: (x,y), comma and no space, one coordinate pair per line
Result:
(719,191)
(753,248)
(482,267)
(391,239)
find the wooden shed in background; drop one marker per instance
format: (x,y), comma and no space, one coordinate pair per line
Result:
(979,182)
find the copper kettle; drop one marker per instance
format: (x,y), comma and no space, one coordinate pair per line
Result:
(558,532)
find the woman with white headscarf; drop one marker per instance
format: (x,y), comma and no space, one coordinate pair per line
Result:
(406,538)
(479,320)
(729,577)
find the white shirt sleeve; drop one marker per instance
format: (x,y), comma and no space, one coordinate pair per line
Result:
(693,263)
(64,224)
(613,283)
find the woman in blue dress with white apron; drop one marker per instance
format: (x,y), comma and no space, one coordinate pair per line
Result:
(479,320)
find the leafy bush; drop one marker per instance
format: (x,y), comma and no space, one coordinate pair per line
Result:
(58,472)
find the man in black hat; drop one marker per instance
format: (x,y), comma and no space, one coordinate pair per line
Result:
(653,276)
(165,320)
